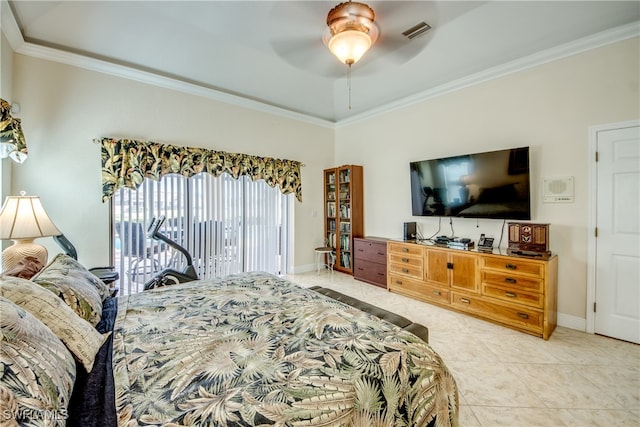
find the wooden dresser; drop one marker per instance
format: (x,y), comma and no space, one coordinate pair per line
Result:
(517,292)
(370,260)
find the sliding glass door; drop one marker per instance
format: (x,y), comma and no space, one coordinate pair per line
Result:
(227,225)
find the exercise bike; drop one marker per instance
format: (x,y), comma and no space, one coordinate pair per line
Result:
(169,276)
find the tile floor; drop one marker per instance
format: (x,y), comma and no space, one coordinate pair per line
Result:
(508,378)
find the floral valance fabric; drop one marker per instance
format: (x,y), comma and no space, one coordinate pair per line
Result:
(126,162)
(12,142)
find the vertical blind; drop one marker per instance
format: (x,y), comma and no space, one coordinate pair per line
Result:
(227,225)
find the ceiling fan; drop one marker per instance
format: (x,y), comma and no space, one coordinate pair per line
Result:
(351,31)
(302,33)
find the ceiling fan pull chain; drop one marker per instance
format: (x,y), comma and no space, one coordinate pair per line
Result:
(349,84)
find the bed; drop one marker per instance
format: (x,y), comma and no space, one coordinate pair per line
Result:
(246,350)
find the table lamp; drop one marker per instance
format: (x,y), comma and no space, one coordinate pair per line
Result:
(23,219)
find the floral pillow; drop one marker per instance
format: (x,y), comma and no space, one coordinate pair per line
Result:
(77,334)
(38,370)
(77,286)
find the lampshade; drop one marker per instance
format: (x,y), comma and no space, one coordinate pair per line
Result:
(351,31)
(12,142)
(23,219)
(349,46)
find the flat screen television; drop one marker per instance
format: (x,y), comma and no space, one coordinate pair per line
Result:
(492,184)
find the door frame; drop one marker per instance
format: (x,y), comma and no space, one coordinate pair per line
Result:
(592,217)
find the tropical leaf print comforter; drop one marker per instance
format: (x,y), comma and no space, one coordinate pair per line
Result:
(254,350)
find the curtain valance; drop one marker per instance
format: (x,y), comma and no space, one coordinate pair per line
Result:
(126,162)
(12,142)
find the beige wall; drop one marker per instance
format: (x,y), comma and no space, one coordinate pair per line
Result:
(64,108)
(6,79)
(548,108)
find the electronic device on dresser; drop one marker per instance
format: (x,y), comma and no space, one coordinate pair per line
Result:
(442,240)
(410,231)
(485,243)
(529,239)
(460,243)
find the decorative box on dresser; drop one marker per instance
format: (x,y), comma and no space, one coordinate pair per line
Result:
(370,260)
(517,292)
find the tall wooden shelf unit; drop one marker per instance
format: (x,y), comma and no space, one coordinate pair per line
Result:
(343,212)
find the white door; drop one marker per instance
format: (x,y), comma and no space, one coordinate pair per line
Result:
(617,287)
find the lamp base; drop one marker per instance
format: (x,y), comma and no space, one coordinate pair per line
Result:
(20,250)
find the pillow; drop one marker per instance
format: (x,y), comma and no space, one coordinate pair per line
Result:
(38,370)
(26,268)
(76,333)
(78,288)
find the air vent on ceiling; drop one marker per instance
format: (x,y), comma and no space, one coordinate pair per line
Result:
(416,30)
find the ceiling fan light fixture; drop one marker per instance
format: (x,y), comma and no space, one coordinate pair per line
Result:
(351,31)
(349,46)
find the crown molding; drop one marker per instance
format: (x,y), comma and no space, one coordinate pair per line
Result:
(19,45)
(12,31)
(100,66)
(10,26)
(575,47)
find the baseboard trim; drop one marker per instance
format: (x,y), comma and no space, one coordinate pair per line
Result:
(303,268)
(572,322)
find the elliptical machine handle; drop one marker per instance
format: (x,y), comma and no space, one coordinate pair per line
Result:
(154,233)
(156,223)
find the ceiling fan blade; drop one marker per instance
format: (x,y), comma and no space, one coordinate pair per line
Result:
(298,18)
(295,34)
(296,29)
(296,46)
(309,54)
(392,10)
(402,48)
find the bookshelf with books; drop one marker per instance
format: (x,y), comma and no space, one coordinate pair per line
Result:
(343,212)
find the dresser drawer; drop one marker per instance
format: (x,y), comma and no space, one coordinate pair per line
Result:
(370,251)
(405,249)
(406,268)
(418,289)
(514,266)
(512,281)
(371,272)
(406,260)
(531,299)
(520,317)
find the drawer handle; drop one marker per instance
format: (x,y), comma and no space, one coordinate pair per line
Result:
(511,266)
(381,253)
(360,268)
(381,274)
(399,282)
(437,293)
(405,249)
(510,280)
(405,259)
(465,301)
(405,270)
(450,265)
(360,250)
(523,315)
(510,294)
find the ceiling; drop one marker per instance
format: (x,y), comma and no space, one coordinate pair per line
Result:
(271,54)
